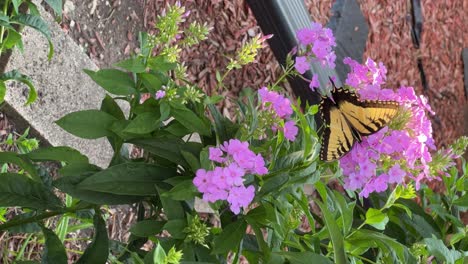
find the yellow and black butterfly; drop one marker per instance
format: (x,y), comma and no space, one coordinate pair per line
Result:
(346,119)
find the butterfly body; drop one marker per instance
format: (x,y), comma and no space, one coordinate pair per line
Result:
(346,119)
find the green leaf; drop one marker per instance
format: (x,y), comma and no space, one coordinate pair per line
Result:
(25,228)
(225,129)
(164,147)
(98,251)
(376,218)
(23,163)
(2,91)
(68,184)
(134,65)
(191,160)
(56,5)
(160,63)
(114,81)
(190,120)
(177,129)
(230,237)
(109,106)
(184,190)
(437,248)
(147,228)
(173,209)
(304,257)
(65,154)
(90,124)
(159,255)
(144,123)
(273,184)
(20,190)
(462,201)
(17,76)
(54,251)
(335,234)
(127,179)
(151,81)
(38,24)
(12,39)
(16,4)
(175,228)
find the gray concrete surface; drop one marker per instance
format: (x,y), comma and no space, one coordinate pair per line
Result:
(62,86)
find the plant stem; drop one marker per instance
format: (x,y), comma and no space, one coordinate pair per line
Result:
(2,31)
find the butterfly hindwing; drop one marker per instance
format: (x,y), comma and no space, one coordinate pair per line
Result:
(347,118)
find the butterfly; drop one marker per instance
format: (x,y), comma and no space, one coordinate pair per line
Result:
(346,119)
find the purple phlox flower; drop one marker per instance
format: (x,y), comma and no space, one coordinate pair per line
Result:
(367,169)
(215,194)
(235,146)
(215,154)
(259,165)
(234,174)
(314,83)
(290,130)
(245,160)
(283,107)
(396,174)
(306,36)
(160,94)
(220,178)
(202,180)
(301,65)
(240,197)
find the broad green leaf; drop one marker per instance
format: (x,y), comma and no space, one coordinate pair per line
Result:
(16,4)
(160,63)
(273,184)
(127,179)
(184,190)
(90,124)
(56,5)
(98,251)
(165,147)
(173,209)
(65,154)
(346,211)
(134,65)
(159,255)
(20,190)
(25,228)
(437,248)
(376,218)
(17,76)
(304,257)
(335,234)
(151,81)
(177,129)
(38,24)
(147,228)
(462,201)
(230,237)
(109,106)
(54,251)
(258,215)
(191,160)
(114,81)
(176,228)
(65,185)
(22,162)
(389,247)
(144,123)
(12,39)
(190,120)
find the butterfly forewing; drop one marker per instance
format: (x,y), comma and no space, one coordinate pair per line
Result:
(347,118)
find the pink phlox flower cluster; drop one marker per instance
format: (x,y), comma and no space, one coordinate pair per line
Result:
(281,106)
(406,152)
(318,42)
(226,182)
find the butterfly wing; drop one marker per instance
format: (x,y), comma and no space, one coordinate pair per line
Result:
(337,136)
(347,118)
(368,116)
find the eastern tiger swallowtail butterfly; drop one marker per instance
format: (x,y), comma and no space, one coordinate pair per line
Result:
(346,119)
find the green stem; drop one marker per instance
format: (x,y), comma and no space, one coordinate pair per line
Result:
(2,31)
(284,75)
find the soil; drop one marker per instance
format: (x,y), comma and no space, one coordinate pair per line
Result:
(106,30)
